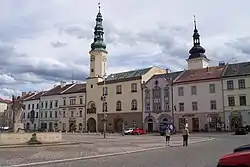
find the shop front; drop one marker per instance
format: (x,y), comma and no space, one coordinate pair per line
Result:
(197,122)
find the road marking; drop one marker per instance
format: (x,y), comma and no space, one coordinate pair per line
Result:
(100,156)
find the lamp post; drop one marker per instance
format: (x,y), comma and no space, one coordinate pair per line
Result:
(173,108)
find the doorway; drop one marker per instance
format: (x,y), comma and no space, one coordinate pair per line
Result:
(150,125)
(195,124)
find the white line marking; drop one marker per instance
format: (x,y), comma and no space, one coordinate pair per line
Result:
(99,156)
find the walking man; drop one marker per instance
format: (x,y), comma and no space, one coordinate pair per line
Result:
(167,136)
(185,137)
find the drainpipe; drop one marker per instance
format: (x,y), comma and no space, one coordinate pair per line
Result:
(85,108)
(142,89)
(172,100)
(223,107)
(39,105)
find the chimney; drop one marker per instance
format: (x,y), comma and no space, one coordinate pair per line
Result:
(24,94)
(222,63)
(62,83)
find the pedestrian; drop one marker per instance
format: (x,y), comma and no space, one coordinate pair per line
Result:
(185,137)
(167,136)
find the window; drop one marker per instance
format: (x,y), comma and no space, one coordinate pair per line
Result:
(241,84)
(80,113)
(180,91)
(50,114)
(36,114)
(37,106)
(72,114)
(24,107)
(72,101)
(118,105)
(213,105)
(41,115)
(166,98)
(147,100)
(55,114)
(50,104)
(42,104)
(243,100)
(28,106)
(33,106)
(24,115)
(119,89)
(64,102)
(64,113)
(105,91)
(91,86)
(212,88)
(231,101)
(193,90)
(195,106)
(81,101)
(56,103)
(181,106)
(230,84)
(133,87)
(46,114)
(46,104)
(134,104)
(157,98)
(28,115)
(104,107)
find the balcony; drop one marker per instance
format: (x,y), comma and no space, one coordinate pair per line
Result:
(91,111)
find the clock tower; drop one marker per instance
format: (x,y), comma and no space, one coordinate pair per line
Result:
(98,52)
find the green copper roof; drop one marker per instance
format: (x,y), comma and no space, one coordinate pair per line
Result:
(98,43)
(127,74)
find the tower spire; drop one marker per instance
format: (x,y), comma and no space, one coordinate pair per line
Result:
(197,49)
(98,43)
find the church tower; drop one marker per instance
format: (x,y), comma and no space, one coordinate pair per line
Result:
(98,50)
(197,58)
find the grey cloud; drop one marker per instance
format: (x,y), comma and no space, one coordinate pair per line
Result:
(241,44)
(18,64)
(79,32)
(58,44)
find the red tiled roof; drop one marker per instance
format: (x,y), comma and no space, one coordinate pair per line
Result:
(57,90)
(36,96)
(4,101)
(77,88)
(200,74)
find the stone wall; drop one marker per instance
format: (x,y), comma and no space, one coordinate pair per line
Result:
(23,138)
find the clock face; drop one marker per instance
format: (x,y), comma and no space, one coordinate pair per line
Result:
(104,59)
(92,58)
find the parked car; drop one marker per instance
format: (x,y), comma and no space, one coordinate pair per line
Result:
(241,131)
(138,131)
(128,131)
(242,148)
(237,159)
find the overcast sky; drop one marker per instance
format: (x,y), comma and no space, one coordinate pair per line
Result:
(44,41)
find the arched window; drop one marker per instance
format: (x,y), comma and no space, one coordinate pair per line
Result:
(147,100)
(118,105)
(134,104)
(157,98)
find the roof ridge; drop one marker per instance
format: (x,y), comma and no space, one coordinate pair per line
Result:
(132,70)
(68,88)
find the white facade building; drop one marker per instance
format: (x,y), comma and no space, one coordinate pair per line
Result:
(30,115)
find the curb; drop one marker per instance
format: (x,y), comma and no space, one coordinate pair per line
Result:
(100,156)
(40,145)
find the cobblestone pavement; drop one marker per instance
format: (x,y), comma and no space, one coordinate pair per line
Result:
(197,155)
(91,145)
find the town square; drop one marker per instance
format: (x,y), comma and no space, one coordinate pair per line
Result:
(102,112)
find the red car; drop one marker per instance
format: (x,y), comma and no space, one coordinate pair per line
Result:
(138,131)
(237,159)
